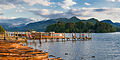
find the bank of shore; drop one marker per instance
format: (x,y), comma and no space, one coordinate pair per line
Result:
(14,50)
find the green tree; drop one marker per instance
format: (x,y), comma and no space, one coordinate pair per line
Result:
(1,29)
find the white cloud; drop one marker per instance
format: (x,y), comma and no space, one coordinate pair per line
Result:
(44,12)
(87,3)
(1,13)
(6,6)
(114,0)
(111,0)
(118,0)
(19,10)
(85,13)
(67,3)
(40,11)
(41,2)
(3,17)
(56,12)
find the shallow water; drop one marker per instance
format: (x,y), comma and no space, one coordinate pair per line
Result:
(103,46)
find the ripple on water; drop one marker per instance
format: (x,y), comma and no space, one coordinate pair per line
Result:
(104,46)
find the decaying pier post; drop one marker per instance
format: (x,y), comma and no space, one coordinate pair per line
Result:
(57,39)
(40,35)
(46,39)
(91,35)
(5,35)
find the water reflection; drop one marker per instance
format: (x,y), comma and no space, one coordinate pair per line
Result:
(104,46)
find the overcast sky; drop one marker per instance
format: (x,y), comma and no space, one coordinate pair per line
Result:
(50,9)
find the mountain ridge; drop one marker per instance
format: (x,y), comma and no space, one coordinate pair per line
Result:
(41,25)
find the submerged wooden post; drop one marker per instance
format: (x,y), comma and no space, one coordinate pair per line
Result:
(45,39)
(84,36)
(21,34)
(72,37)
(64,37)
(75,36)
(17,34)
(57,39)
(5,35)
(88,35)
(8,33)
(40,37)
(80,36)
(14,34)
(67,39)
(91,35)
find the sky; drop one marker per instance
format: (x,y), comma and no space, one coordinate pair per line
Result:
(52,9)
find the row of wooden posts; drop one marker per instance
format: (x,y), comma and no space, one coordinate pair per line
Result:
(82,36)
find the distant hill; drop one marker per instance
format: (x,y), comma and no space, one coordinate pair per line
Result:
(14,24)
(110,22)
(23,24)
(41,25)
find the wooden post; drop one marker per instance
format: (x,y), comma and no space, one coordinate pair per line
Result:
(20,34)
(72,37)
(8,34)
(17,34)
(5,35)
(67,39)
(14,34)
(91,35)
(57,39)
(45,39)
(84,36)
(88,35)
(64,37)
(47,34)
(75,36)
(80,36)
(40,38)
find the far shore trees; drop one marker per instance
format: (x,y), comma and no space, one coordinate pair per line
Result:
(98,27)
(1,29)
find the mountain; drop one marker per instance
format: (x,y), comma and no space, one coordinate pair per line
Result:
(11,24)
(41,25)
(112,23)
(23,24)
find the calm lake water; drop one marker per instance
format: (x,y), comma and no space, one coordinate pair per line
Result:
(104,46)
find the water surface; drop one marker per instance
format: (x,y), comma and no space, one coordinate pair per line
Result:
(103,46)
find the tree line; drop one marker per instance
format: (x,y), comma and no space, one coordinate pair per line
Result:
(98,27)
(1,29)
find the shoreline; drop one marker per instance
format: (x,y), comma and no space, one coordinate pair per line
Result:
(16,50)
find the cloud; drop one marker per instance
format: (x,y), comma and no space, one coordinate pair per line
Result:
(19,10)
(118,0)
(40,11)
(41,2)
(84,13)
(111,0)
(87,3)
(60,14)
(99,10)
(67,3)
(8,4)
(56,12)
(1,13)
(3,17)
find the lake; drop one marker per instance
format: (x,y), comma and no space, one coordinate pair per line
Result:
(103,46)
